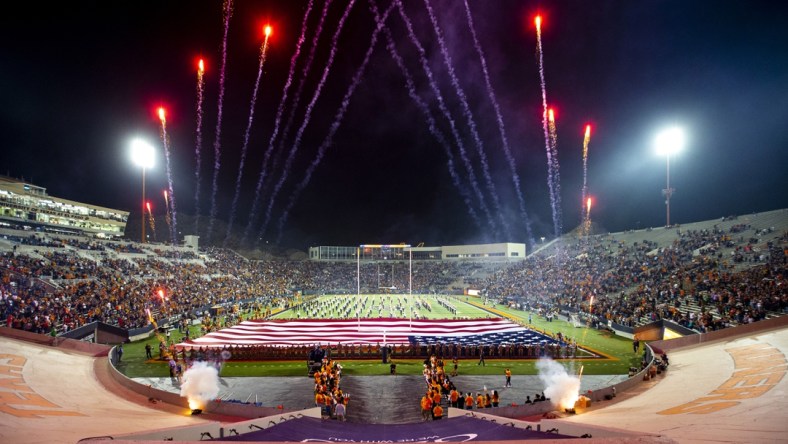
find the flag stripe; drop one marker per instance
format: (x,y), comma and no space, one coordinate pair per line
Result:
(349,331)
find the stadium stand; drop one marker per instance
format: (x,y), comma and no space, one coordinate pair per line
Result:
(705,276)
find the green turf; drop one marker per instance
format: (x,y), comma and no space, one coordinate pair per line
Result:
(618,350)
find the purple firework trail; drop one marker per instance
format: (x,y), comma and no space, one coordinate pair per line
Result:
(469,119)
(307,116)
(551,183)
(198,143)
(447,115)
(228,12)
(337,121)
(556,174)
(297,96)
(499,118)
(263,50)
(431,124)
(277,121)
(586,141)
(165,139)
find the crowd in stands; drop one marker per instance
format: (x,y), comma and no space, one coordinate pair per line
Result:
(705,280)
(608,280)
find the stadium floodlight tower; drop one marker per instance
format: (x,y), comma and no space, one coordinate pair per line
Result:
(143,155)
(667,143)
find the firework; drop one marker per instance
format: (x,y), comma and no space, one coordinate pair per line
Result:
(198,142)
(550,145)
(170,194)
(469,120)
(447,115)
(151,221)
(217,152)
(337,120)
(307,116)
(244,148)
(277,122)
(586,141)
(501,130)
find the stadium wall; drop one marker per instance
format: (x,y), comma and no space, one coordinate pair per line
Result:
(722,335)
(223,408)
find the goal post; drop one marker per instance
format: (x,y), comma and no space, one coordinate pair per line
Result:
(382,252)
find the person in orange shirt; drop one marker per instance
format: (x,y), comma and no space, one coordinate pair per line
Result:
(454,397)
(479,401)
(468,401)
(426,407)
(508,374)
(437,412)
(436,397)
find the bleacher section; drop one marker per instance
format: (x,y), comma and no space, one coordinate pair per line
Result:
(705,276)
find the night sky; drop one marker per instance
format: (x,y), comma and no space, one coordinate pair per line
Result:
(79,80)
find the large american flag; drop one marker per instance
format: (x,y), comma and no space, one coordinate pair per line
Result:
(349,331)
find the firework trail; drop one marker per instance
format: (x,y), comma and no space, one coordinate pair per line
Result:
(586,141)
(431,124)
(263,50)
(165,139)
(447,115)
(167,218)
(198,143)
(551,163)
(469,119)
(556,203)
(277,121)
(217,162)
(588,208)
(307,116)
(151,221)
(501,130)
(337,121)
(297,96)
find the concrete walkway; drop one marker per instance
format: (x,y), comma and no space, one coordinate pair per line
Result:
(374,399)
(734,391)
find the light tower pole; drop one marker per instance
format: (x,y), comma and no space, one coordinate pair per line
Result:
(669,142)
(142,154)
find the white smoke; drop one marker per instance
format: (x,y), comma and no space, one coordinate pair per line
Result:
(562,388)
(200,384)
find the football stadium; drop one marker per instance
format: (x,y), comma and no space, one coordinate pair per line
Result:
(384,221)
(194,352)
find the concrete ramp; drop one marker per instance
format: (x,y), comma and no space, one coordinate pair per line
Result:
(52,395)
(728,391)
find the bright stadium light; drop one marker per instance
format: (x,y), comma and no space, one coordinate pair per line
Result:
(143,155)
(667,143)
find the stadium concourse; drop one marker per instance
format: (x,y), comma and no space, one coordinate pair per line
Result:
(61,393)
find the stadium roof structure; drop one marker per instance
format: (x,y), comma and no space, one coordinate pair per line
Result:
(23,204)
